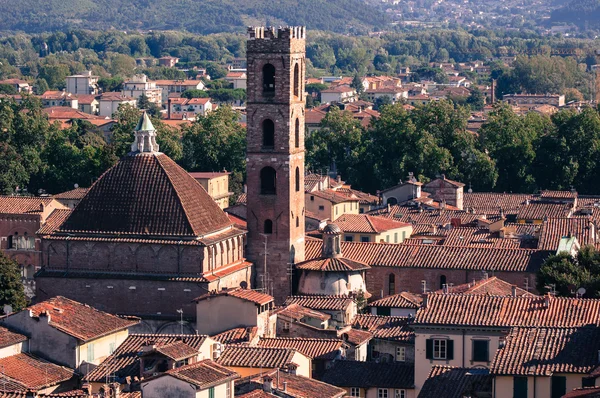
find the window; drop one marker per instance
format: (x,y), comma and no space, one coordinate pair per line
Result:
(400,354)
(21,242)
(382,393)
(355,392)
(228,389)
(268,227)
(588,381)
(268,177)
(90,352)
(364,239)
(297,179)
(403,236)
(395,237)
(439,349)
(391,284)
(268,128)
(442,281)
(387,239)
(111,347)
(400,394)
(321,208)
(297,134)
(297,81)
(481,350)
(211,392)
(268,79)
(286,326)
(348,238)
(559,386)
(312,199)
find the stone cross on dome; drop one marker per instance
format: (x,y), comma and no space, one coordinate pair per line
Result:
(145,136)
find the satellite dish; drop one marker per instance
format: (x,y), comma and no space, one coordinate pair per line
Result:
(581,291)
(76,185)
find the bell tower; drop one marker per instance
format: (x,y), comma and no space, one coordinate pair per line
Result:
(275,155)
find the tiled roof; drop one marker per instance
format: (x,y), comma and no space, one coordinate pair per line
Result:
(203,374)
(311,347)
(432,256)
(523,236)
(297,312)
(508,311)
(585,392)
(258,393)
(363,197)
(395,328)
(33,373)
(542,210)
(177,350)
(356,336)
(54,221)
(314,116)
(68,113)
(178,82)
(115,96)
(77,193)
(296,386)
(86,99)
(483,202)
(235,335)
(413,215)
(333,196)
(370,374)
(8,337)
(332,265)
(400,300)
(338,89)
(244,294)
(243,198)
(125,361)
(147,194)
(554,229)
(22,204)
(491,286)
(363,223)
(256,357)
(558,194)
(79,320)
(321,302)
(455,382)
(545,351)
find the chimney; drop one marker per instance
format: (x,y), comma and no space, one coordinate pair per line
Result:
(433,229)
(514,291)
(547,300)
(169,108)
(424,302)
(268,384)
(285,382)
(87,388)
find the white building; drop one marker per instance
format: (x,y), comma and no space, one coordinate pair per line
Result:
(139,85)
(86,83)
(110,102)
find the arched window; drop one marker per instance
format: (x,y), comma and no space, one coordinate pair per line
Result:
(268,178)
(268,227)
(442,281)
(297,135)
(268,128)
(268,78)
(297,179)
(296,81)
(392,201)
(392,284)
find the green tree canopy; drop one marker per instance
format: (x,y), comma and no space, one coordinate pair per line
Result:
(12,291)
(567,273)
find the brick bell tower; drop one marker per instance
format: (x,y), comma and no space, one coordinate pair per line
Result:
(275,155)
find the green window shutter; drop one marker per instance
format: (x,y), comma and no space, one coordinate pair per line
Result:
(450,354)
(429,348)
(480,350)
(519,387)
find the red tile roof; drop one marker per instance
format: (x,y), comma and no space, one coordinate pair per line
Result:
(253,296)
(74,194)
(546,351)
(554,229)
(115,96)
(8,337)
(202,375)
(297,312)
(78,320)
(86,99)
(400,300)
(541,210)
(508,311)
(209,174)
(356,337)
(176,350)
(558,194)
(363,197)
(23,204)
(483,202)
(363,223)
(455,382)
(256,357)
(321,302)
(147,194)
(296,386)
(313,348)
(236,335)
(394,328)
(33,373)
(491,286)
(370,374)
(333,196)
(332,265)
(54,221)
(585,392)
(125,361)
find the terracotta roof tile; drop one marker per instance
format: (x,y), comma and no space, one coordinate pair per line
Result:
(8,337)
(554,229)
(321,302)
(356,336)
(313,348)
(176,350)
(115,96)
(363,223)
(585,392)
(541,210)
(413,215)
(125,361)
(236,335)
(363,197)
(54,221)
(370,374)
(491,286)
(508,311)
(332,265)
(78,320)
(400,300)
(455,382)
(483,202)
(296,386)
(33,373)
(395,328)
(147,194)
(203,374)
(558,194)
(22,204)
(544,351)
(333,196)
(256,357)
(252,296)
(298,312)
(77,193)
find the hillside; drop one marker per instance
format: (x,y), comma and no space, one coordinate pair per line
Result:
(584,13)
(208,16)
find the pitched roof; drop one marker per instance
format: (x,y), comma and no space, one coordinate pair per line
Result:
(585,392)
(554,229)
(363,197)
(256,357)
(433,256)
(147,194)
(313,348)
(483,201)
(400,300)
(77,193)
(298,312)
(321,302)
(23,204)
(493,286)
(86,99)
(455,382)
(332,196)
(370,374)
(296,386)
(363,223)
(78,320)
(202,375)
(558,194)
(543,351)
(8,337)
(125,361)
(236,335)
(54,221)
(327,264)
(507,311)
(32,373)
(356,336)
(252,296)
(395,328)
(176,350)
(541,210)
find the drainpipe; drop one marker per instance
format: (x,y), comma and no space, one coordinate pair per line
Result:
(463,348)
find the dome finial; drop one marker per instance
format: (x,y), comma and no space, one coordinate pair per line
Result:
(145,136)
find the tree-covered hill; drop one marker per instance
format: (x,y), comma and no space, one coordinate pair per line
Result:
(584,13)
(207,16)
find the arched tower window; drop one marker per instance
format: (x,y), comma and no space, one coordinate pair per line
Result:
(268,78)
(268,227)
(297,222)
(442,281)
(297,179)
(297,80)
(268,178)
(392,284)
(268,128)
(297,134)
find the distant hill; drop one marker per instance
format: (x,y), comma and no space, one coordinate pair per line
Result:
(584,13)
(208,16)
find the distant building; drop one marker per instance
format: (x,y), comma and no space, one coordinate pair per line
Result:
(86,83)
(177,86)
(88,103)
(216,184)
(338,94)
(237,78)
(139,85)
(59,98)
(168,62)
(21,86)
(533,100)
(110,102)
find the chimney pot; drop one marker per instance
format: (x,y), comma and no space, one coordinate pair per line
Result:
(267,384)
(514,291)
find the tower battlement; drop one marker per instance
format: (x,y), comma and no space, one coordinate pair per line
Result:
(270,39)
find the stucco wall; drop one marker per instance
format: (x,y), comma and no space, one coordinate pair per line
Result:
(168,387)
(221,313)
(336,283)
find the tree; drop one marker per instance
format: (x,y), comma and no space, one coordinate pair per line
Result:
(12,291)
(144,103)
(357,84)
(109,84)
(567,273)
(476,99)
(7,89)
(194,94)
(382,101)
